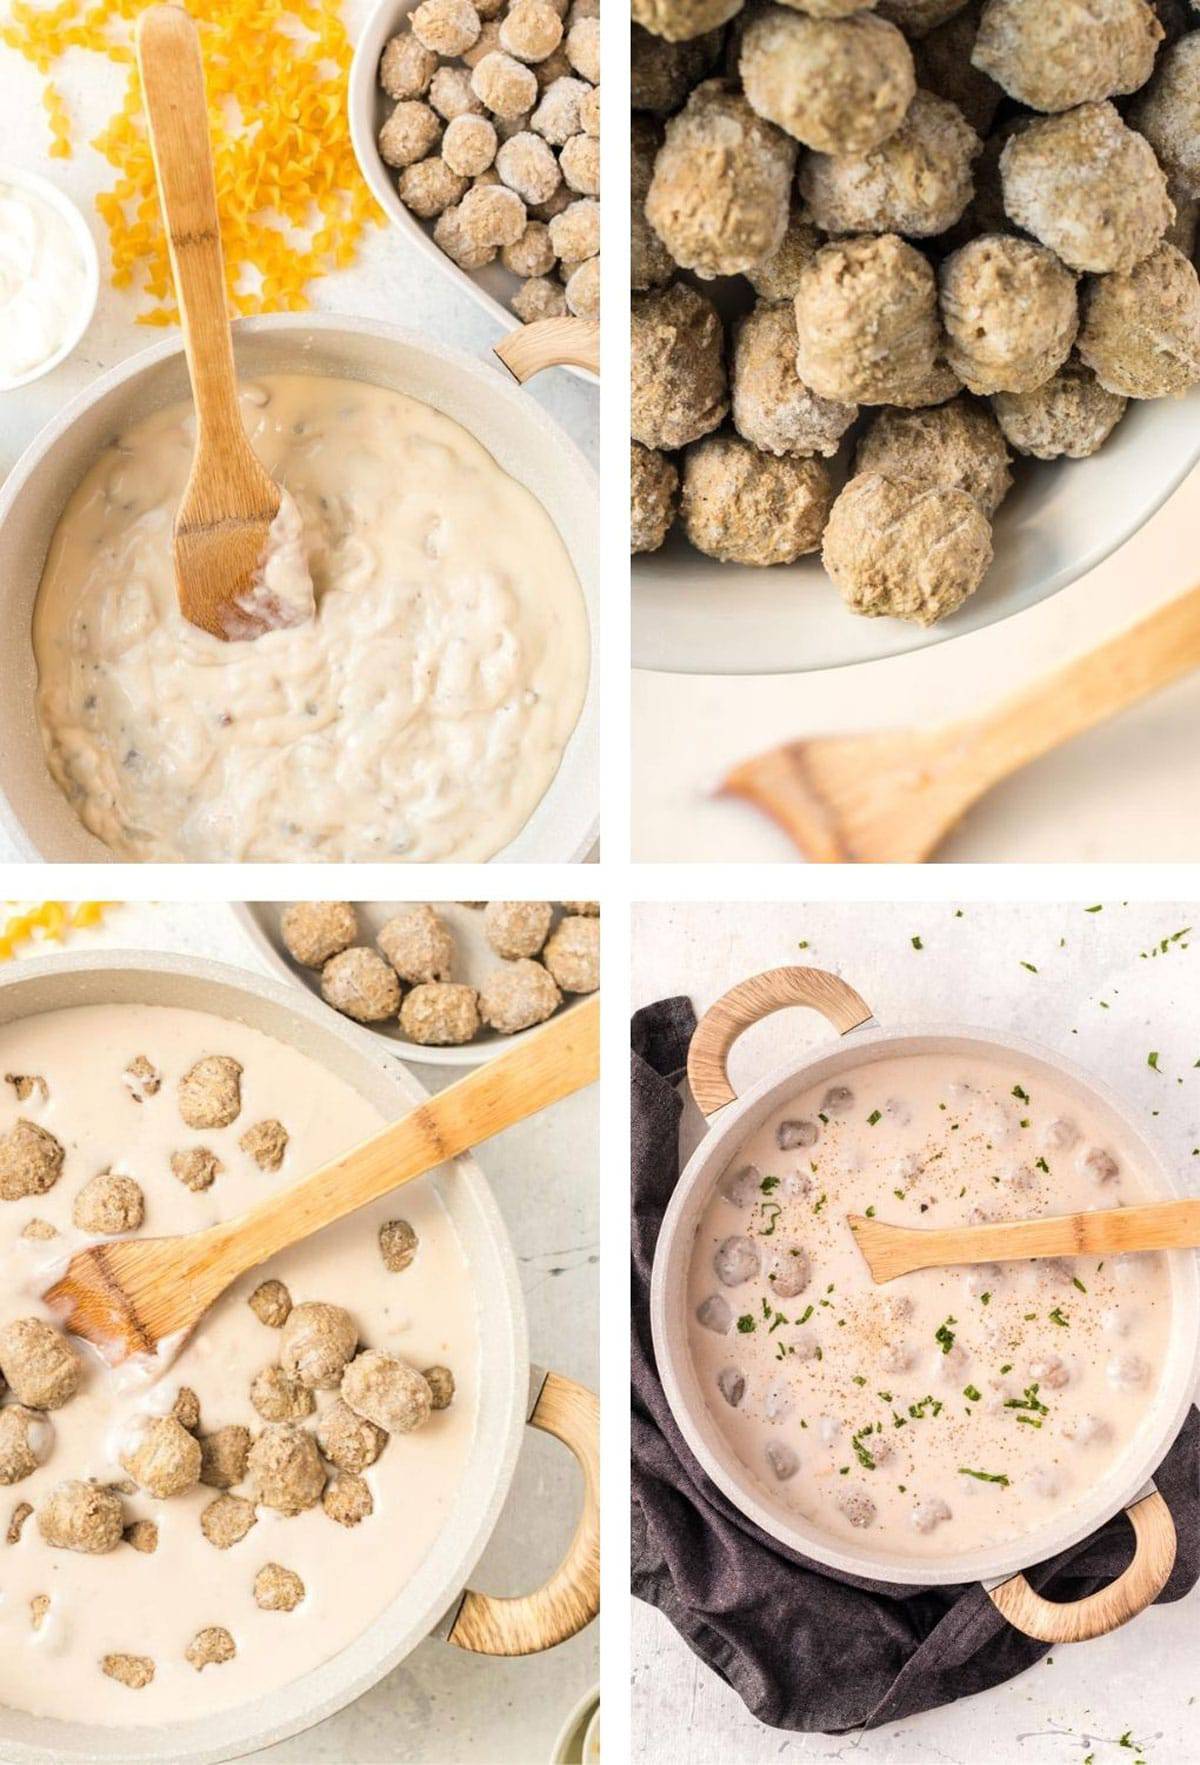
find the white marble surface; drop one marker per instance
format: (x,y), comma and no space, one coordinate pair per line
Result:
(1080,1700)
(441,1704)
(1125,782)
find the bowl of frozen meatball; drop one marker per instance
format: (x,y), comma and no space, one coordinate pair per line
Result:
(447,983)
(477,126)
(915,314)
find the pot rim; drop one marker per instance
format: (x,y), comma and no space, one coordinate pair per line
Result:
(296,1706)
(1171,1403)
(493,383)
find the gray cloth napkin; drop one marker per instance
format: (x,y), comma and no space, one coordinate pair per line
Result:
(803,1646)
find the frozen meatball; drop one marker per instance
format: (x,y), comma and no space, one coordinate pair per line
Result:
(418,945)
(109,1204)
(316,1343)
(517,928)
(227,1520)
(745,507)
(197,1168)
(505,85)
(361,985)
(867,322)
(141,1078)
(1053,57)
(142,1536)
(517,996)
(790,1134)
(31,1159)
(398,1244)
(163,1459)
(957,445)
(1127,1372)
(440,1381)
(347,1499)
(678,20)
(575,231)
(440,1014)
(39,1366)
(731,1383)
(1087,187)
(285,1468)
(387,1391)
(266,1142)
(448,27)
(78,1516)
(654,487)
(715,1314)
(650,263)
(661,74)
(678,385)
(788,1270)
(451,96)
(27,1085)
(579,160)
(277,1589)
(1168,114)
(186,1409)
(271,1304)
(25,1441)
(1069,415)
(134,1671)
(857,1507)
(572,954)
(528,166)
(429,188)
(212,1646)
(917,182)
(1050,1370)
(1140,334)
(901,550)
(839,86)
(1010,312)
(718,199)
(223,1455)
(582,44)
(405,70)
(210,1092)
(943,61)
(929,1511)
(1100,1165)
(533,254)
(530,30)
(557,117)
(736,1260)
(348,1441)
(783,1461)
(583,289)
(772,407)
(777,277)
(409,133)
(278,1397)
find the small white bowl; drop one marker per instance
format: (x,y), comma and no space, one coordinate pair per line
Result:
(576,1734)
(62,205)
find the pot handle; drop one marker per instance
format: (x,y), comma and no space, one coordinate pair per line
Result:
(751,1000)
(1135,1588)
(489,1625)
(550,343)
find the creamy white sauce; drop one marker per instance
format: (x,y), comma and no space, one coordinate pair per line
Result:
(43,281)
(864,1408)
(127,1602)
(419,716)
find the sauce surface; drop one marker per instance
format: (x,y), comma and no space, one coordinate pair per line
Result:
(953,1408)
(126,1602)
(419,716)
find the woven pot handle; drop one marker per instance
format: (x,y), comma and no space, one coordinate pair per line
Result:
(745,1004)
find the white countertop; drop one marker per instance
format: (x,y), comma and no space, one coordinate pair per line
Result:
(442,1704)
(1080,1699)
(1125,783)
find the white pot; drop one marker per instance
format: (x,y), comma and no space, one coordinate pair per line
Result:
(432,1600)
(734,1119)
(34,815)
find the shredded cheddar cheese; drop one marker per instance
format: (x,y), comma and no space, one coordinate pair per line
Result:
(293,203)
(47,922)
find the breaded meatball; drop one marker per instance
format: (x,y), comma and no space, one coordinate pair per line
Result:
(387,1391)
(1140,334)
(1069,415)
(405,70)
(867,322)
(1010,312)
(278,1397)
(210,1092)
(718,198)
(918,182)
(266,1143)
(1053,57)
(31,1161)
(142,1535)
(271,1304)
(197,1168)
(361,985)
(398,1244)
(212,1646)
(518,995)
(680,20)
(1167,113)
(78,1516)
(539,298)
(317,1341)
(429,188)
(772,407)
(837,85)
(533,254)
(347,1499)
(38,1365)
(163,1458)
(957,445)
(506,86)
(348,1441)
(572,954)
(285,1468)
(654,487)
(411,132)
(25,1441)
(440,1014)
(186,1409)
(277,1589)
(583,289)
(142,1078)
(227,1520)
(517,928)
(903,550)
(418,944)
(109,1204)
(557,117)
(745,507)
(530,30)
(447,27)
(678,389)
(135,1671)
(777,277)
(440,1381)
(223,1455)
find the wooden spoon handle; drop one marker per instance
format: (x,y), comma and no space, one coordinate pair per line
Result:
(168,52)
(898,1250)
(550,343)
(556,1060)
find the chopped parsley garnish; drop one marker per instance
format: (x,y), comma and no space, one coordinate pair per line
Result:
(970,1392)
(899,1194)
(860,1452)
(769,1183)
(1152,1060)
(1056,1317)
(945,1335)
(917,1410)
(875,1116)
(871,1212)
(985,1476)
(1007,1367)
(985,1299)
(808,1312)
(1021,1095)
(1076,1282)
(1029,966)
(859,1379)
(1099,908)
(819,1203)
(745,1324)
(774,1210)
(1030,1401)
(1042,1165)
(917,944)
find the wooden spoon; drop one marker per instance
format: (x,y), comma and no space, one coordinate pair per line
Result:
(898,1250)
(550,343)
(892,798)
(126,1296)
(229,501)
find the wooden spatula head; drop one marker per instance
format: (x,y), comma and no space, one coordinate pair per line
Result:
(220,539)
(126,1297)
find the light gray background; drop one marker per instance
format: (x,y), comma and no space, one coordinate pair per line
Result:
(1079,1700)
(441,1704)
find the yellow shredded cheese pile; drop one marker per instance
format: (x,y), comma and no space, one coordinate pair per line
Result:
(48,921)
(293,202)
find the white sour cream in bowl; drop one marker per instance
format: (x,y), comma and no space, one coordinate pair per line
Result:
(49,278)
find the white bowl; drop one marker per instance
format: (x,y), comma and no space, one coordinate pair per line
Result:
(692,615)
(62,205)
(490,287)
(34,815)
(575,1737)
(260,921)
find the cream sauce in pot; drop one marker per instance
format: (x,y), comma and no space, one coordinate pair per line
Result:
(127,1602)
(952,1409)
(419,716)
